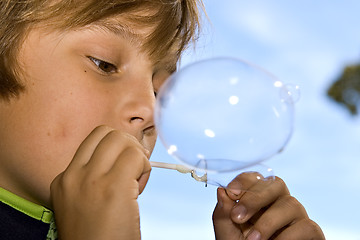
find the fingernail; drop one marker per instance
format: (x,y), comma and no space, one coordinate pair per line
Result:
(235,192)
(254,235)
(239,213)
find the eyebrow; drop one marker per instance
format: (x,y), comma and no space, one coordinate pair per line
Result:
(126,32)
(121,30)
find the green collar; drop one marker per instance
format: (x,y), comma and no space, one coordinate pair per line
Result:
(31,209)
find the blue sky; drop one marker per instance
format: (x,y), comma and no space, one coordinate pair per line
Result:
(307,43)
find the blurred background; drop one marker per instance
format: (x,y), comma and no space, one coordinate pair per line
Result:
(315,44)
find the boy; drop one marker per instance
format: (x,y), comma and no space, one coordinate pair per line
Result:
(69,68)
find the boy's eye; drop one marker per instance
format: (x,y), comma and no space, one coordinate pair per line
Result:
(104,66)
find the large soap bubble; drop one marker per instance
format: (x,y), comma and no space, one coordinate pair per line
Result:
(224,114)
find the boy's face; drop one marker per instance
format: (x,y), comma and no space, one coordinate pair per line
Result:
(74,82)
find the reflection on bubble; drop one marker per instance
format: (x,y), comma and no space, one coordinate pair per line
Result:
(233,100)
(172,149)
(209,133)
(224,114)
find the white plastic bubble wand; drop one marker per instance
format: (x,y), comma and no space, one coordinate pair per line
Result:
(180,168)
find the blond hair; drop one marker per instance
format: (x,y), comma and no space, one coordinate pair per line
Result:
(175,22)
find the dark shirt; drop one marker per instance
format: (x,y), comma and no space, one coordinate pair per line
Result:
(23,220)
(15,225)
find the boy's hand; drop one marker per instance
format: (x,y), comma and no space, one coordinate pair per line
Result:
(265,210)
(96,196)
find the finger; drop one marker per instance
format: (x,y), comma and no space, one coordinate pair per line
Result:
(241,183)
(87,147)
(223,225)
(261,195)
(301,230)
(131,170)
(283,212)
(108,150)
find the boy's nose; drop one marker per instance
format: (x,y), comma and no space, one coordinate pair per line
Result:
(137,113)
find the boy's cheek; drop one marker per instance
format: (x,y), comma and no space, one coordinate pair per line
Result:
(38,154)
